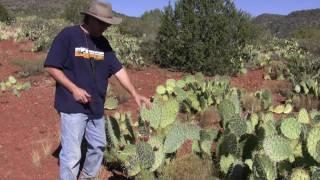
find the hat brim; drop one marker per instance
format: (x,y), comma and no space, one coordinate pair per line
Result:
(112,20)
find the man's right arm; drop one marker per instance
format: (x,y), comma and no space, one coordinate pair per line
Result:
(79,94)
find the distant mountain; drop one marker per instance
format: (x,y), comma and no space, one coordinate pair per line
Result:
(282,26)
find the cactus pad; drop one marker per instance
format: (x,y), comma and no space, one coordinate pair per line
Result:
(313,143)
(263,167)
(299,174)
(291,128)
(303,116)
(226,163)
(277,148)
(111,103)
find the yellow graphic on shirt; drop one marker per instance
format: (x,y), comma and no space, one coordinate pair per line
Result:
(89,54)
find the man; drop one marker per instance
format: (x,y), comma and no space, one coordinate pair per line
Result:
(81,61)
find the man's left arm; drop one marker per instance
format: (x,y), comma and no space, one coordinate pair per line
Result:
(123,78)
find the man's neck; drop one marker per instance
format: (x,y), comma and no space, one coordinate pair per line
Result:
(84,27)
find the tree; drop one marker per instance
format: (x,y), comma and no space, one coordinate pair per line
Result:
(202,35)
(73,9)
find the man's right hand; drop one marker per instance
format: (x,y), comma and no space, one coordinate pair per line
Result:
(81,95)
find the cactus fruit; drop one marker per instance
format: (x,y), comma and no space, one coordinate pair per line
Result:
(111,103)
(277,148)
(263,167)
(226,163)
(291,128)
(303,116)
(313,142)
(299,174)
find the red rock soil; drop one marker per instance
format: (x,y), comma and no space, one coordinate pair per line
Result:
(29,131)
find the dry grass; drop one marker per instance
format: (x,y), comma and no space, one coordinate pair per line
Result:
(36,158)
(29,67)
(46,147)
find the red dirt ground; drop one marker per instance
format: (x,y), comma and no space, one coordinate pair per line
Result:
(30,125)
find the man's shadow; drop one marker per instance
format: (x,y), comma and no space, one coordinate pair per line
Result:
(84,145)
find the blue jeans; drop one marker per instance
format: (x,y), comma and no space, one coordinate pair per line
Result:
(73,128)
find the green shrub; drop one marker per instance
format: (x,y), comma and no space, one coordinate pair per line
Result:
(308,38)
(29,67)
(73,9)
(41,31)
(189,167)
(4,15)
(205,36)
(127,47)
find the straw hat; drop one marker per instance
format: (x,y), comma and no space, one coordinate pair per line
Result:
(103,12)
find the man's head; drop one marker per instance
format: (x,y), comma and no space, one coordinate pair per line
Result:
(95,26)
(99,17)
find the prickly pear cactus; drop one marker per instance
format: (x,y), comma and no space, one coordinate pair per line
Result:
(111,103)
(303,116)
(181,95)
(313,143)
(300,174)
(226,163)
(315,116)
(315,173)
(156,143)
(206,138)
(145,154)
(162,114)
(238,126)
(113,132)
(178,134)
(277,148)
(263,167)
(269,128)
(227,144)
(291,128)
(226,110)
(161,90)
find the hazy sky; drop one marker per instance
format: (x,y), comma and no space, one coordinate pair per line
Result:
(254,7)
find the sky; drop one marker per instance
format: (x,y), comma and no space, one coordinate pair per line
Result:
(254,7)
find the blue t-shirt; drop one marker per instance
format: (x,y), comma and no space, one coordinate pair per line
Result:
(88,62)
